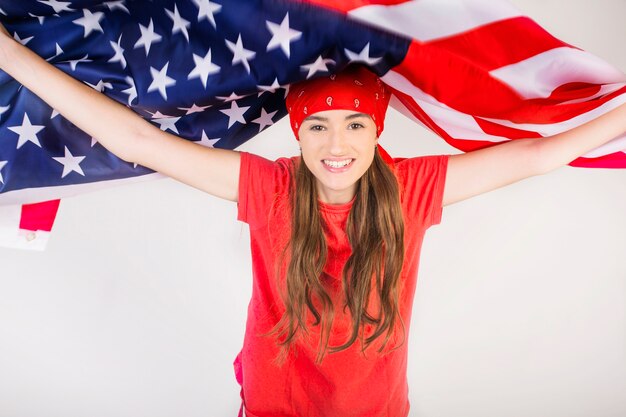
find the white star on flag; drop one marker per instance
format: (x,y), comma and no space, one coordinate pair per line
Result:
(363,56)
(27,132)
(320,64)
(240,54)
(282,35)
(148,37)
(58,6)
(194,109)
(231,97)
(269,88)
(205,141)
(265,119)
(119,4)
(93,142)
(20,40)
(70,163)
(167,123)
(90,21)
(131,91)
(160,80)
(54,114)
(100,86)
(119,52)
(3,163)
(235,114)
(59,51)
(3,109)
(180,24)
(207,9)
(39,18)
(74,62)
(204,67)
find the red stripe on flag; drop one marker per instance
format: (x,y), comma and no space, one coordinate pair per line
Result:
(501,43)
(614,160)
(347,5)
(445,76)
(39,216)
(504,131)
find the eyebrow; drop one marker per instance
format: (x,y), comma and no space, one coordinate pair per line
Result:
(325,119)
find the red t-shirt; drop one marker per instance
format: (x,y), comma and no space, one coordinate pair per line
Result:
(346,383)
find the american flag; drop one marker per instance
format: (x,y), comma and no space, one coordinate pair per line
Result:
(476,72)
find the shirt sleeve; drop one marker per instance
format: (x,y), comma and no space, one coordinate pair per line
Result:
(260,182)
(422,182)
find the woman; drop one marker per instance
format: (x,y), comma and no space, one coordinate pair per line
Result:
(296,359)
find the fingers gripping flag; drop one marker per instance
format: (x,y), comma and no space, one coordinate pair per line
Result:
(216,72)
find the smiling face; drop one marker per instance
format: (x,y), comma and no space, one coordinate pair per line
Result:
(338,147)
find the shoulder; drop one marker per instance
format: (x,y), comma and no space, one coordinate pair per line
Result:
(256,169)
(420,167)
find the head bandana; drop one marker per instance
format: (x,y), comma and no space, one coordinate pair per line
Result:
(355,88)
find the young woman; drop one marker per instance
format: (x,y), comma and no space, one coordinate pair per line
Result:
(333,286)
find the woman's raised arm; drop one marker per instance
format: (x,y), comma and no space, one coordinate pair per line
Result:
(480,171)
(119,129)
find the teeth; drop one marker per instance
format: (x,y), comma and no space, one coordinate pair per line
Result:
(337,164)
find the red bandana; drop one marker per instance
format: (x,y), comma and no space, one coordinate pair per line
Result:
(356,88)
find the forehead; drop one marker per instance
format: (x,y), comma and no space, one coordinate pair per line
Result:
(336,115)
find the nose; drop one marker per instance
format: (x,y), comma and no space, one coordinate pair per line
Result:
(337,143)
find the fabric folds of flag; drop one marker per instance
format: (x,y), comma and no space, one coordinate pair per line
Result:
(475,72)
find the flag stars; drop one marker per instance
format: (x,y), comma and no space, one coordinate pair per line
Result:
(3,109)
(167,123)
(90,22)
(119,52)
(207,10)
(58,52)
(41,19)
(363,56)
(74,62)
(117,5)
(235,114)
(320,65)
(70,163)
(231,97)
(131,90)
(58,6)
(3,163)
(206,141)
(20,40)
(282,35)
(160,80)
(27,132)
(269,88)
(265,119)
(204,67)
(241,55)
(180,24)
(193,109)
(101,86)
(148,37)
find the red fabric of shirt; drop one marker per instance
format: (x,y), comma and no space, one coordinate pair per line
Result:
(346,383)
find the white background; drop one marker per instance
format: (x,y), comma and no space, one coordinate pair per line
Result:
(138,306)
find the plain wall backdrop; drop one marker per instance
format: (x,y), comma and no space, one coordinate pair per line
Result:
(138,306)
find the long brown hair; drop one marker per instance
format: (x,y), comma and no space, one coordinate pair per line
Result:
(375,230)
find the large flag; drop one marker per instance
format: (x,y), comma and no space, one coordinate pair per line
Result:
(476,72)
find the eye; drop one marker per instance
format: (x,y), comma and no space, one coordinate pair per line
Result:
(316,128)
(355,125)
